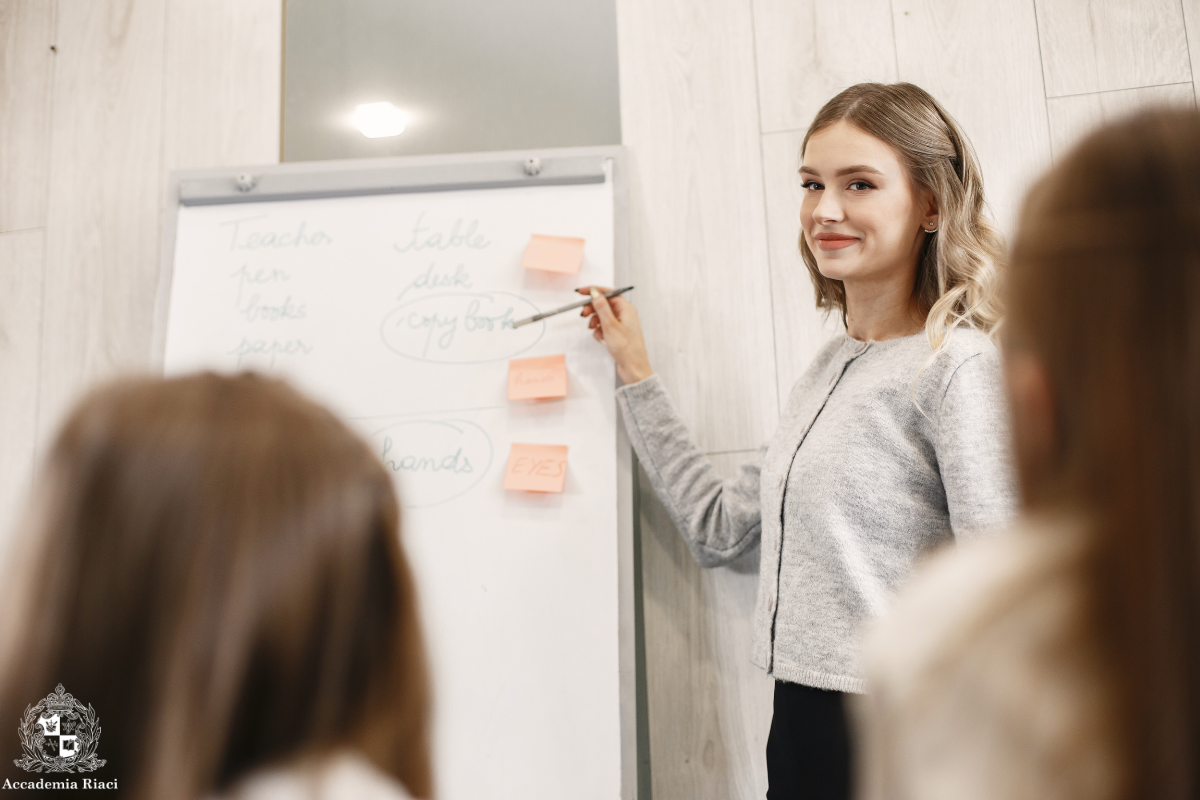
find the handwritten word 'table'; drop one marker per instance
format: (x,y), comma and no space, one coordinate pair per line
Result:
(455,237)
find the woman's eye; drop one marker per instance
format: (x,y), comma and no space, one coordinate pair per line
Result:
(812,186)
(860,186)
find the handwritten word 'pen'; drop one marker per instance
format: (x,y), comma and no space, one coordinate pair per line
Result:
(568,307)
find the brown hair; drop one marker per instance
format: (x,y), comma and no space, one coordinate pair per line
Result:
(215,566)
(1105,293)
(958,269)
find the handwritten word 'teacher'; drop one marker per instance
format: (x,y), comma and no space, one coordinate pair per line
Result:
(269,348)
(422,239)
(536,468)
(455,463)
(251,239)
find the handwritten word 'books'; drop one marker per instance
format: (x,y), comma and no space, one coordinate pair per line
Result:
(537,378)
(536,468)
(553,253)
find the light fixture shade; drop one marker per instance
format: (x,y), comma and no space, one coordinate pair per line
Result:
(377,120)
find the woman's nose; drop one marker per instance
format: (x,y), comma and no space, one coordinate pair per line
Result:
(827,210)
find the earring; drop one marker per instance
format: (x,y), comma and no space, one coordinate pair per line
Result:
(931,230)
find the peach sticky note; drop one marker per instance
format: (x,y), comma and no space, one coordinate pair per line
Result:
(537,378)
(553,253)
(536,467)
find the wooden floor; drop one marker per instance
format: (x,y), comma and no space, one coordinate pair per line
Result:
(100,99)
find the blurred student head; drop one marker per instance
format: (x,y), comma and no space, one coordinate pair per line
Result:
(1103,355)
(214,564)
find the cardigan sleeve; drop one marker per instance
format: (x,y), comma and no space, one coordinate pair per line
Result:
(971,439)
(718,519)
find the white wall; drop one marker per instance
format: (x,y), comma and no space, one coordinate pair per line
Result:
(715,95)
(99,101)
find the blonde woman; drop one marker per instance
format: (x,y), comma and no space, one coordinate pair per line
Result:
(892,442)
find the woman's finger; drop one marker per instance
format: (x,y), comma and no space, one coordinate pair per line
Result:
(603,309)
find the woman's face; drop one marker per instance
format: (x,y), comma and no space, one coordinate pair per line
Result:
(862,217)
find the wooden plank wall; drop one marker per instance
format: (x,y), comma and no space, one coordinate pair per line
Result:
(715,97)
(99,100)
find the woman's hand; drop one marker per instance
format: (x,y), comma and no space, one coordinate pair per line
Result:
(615,322)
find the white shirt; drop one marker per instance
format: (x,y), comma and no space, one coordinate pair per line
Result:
(345,775)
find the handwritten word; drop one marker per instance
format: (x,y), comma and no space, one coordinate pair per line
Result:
(272,348)
(455,463)
(472,321)
(461,327)
(254,311)
(541,467)
(536,468)
(244,276)
(461,279)
(435,460)
(257,240)
(422,240)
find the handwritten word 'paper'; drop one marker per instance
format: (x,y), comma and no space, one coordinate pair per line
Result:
(553,253)
(537,378)
(536,467)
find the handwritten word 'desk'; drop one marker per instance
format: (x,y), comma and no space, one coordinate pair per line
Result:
(536,468)
(459,279)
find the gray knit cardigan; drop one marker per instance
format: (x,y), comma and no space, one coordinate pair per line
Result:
(879,456)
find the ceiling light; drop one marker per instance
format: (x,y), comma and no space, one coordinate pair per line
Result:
(376,120)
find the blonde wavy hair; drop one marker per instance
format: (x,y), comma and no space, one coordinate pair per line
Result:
(959,267)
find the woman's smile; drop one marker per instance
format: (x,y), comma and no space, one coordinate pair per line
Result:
(834,241)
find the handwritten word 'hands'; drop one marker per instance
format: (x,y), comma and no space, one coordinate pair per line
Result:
(615,322)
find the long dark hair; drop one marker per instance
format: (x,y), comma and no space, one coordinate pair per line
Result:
(1105,293)
(213,563)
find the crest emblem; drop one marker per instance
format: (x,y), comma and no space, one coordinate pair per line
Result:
(59,735)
